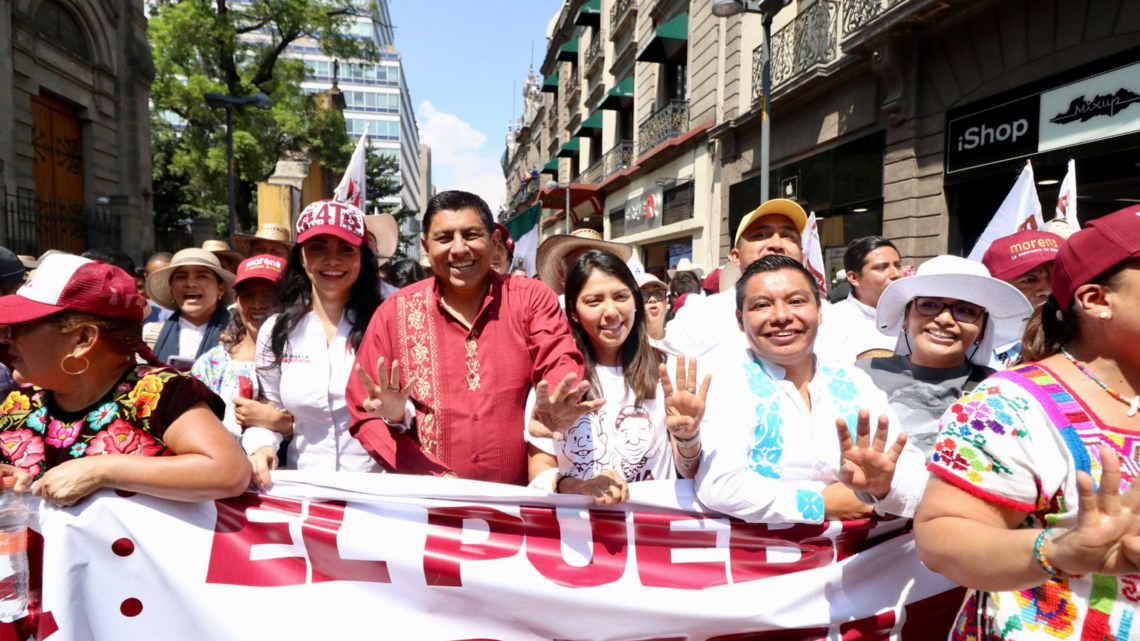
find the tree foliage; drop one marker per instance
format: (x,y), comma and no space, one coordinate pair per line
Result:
(383,173)
(238,48)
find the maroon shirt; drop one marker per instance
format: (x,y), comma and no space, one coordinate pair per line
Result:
(472,384)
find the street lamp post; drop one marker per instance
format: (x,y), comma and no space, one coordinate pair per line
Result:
(767,10)
(557,185)
(229,103)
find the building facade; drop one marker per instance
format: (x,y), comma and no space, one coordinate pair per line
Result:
(75,171)
(909,118)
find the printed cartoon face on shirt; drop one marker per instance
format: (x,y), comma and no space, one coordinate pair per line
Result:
(583,448)
(633,435)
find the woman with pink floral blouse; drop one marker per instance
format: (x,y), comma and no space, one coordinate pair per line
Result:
(87,416)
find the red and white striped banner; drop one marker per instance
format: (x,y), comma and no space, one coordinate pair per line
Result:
(346,556)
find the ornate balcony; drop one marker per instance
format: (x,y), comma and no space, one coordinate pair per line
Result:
(595,52)
(670,121)
(621,10)
(859,13)
(573,84)
(810,40)
(613,161)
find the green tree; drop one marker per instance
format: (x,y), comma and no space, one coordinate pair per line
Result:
(383,173)
(237,48)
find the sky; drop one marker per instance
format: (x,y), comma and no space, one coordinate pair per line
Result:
(461,59)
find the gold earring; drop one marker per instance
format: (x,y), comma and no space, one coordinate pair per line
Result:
(86,364)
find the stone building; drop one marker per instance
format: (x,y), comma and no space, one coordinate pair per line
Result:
(888,116)
(75,168)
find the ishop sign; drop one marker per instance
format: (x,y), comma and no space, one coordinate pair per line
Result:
(1094,108)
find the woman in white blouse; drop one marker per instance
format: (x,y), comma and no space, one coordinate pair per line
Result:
(305,351)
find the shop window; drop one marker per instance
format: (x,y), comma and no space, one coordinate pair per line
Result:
(55,23)
(617,223)
(678,204)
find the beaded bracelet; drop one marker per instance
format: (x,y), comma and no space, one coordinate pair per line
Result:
(1043,561)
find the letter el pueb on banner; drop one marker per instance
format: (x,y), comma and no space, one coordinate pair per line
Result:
(356,556)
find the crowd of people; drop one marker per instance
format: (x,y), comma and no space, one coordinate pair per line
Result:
(993,402)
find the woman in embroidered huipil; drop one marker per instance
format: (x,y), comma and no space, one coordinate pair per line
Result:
(327,294)
(87,416)
(648,428)
(1032,503)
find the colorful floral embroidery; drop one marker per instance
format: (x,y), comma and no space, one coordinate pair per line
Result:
(810,505)
(1048,607)
(16,402)
(121,438)
(102,415)
(144,397)
(24,449)
(78,449)
(768,438)
(61,435)
(37,420)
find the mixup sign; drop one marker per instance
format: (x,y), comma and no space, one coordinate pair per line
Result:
(1102,106)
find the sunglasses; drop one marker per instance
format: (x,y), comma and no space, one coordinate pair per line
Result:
(649,295)
(961,311)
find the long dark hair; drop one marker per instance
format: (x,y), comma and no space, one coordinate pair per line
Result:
(1048,329)
(639,359)
(294,298)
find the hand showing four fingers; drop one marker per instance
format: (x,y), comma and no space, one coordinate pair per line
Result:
(866,465)
(684,403)
(385,398)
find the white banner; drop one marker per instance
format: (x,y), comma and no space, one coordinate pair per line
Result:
(346,556)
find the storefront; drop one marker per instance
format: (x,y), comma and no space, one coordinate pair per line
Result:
(1090,114)
(843,185)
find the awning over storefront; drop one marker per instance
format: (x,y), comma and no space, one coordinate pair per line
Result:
(619,97)
(667,42)
(570,149)
(550,168)
(590,15)
(591,125)
(550,83)
(585,200)
(569,51)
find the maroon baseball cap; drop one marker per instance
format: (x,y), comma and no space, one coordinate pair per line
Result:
(67,282)
(1103,244)
(1011,256)
(334,218)
(506,236)
(712,281)
(264,266)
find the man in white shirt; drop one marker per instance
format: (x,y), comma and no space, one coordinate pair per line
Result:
(704,324)
(787,438)
(872,263)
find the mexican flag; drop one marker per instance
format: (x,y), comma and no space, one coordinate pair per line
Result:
(524,229)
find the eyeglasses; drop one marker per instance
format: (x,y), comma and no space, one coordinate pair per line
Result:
(961,311)
(10,332)
(649,295)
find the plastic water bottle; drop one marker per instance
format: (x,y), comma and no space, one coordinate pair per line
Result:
(14,518)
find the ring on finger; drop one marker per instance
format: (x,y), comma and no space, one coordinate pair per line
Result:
(393,389)
(691,390)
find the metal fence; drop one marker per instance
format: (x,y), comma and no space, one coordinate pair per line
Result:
(32,226)
(613,161)
(670,121)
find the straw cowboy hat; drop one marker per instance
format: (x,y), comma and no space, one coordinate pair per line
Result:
(555,248)
(271,232)
(955,277)
(220,248)
(686,265)
(158,283)
(382,235)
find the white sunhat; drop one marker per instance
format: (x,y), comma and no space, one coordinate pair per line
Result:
(960,279)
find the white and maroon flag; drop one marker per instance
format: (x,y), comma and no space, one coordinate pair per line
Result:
(1020,210)
(350,556)
(352,185)
(813,254)
(1067,200)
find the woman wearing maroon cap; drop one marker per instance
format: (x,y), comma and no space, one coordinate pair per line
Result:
(305,351)
(1033,502)
(228,369)
(87,415)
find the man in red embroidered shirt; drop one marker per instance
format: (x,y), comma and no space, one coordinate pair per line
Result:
(465,347)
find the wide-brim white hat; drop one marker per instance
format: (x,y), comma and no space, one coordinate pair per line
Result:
(686,265)
(158,283)
(382,234)
(553,249)
(960,279)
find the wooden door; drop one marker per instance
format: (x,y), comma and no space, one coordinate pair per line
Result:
(57,138)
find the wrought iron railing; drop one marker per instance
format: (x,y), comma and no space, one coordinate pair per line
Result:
(811,39)
(613,161)
(859,13)
(618,12)
(670,121)
(573,83)
(595,50)
(33,226)
(531,189)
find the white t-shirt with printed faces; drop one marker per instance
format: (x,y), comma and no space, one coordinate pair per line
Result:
(618,436)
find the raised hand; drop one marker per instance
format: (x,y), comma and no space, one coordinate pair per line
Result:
(385,398)
(684,404)
(1107,537)
(556,413)
(865,466)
